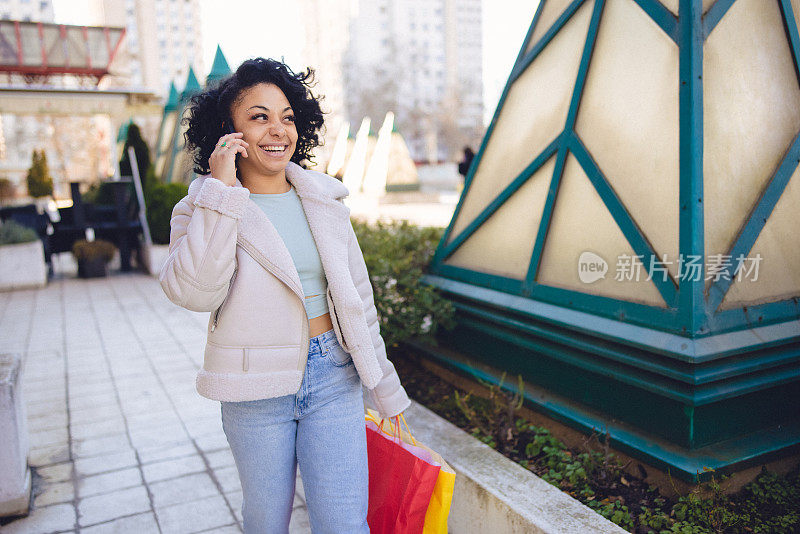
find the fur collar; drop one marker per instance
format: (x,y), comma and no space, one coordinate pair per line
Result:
(328,218)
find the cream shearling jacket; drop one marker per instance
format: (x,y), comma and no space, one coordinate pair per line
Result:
(226,257)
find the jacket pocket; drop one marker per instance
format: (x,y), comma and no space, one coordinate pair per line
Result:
(219,310)
(337,328)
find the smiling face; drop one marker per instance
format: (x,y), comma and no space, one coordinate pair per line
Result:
(265,117)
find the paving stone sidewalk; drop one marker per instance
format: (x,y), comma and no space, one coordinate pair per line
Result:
(120,440)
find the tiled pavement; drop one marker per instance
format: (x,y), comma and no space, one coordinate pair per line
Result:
(120,440)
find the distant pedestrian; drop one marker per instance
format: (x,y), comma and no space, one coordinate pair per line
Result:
(466,161)
(255,235)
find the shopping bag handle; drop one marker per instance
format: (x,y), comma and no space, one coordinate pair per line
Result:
(396,426)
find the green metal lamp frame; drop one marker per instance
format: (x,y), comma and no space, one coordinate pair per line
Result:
(686,387)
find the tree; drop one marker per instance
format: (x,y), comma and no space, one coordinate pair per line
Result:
(40,183)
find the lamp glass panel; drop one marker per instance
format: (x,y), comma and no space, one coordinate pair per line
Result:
(167,131)
(628,120)
(751,113)
(672,5)
(582,223)
(533,115)
(503,244)
(551,10)
(776,275)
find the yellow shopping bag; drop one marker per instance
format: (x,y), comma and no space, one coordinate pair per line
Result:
(442,496)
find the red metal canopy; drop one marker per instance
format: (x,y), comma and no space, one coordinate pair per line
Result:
(36,49)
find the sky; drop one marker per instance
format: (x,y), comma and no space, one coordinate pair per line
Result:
(248,28)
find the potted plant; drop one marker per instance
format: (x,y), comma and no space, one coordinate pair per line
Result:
(93,257)
(21,258)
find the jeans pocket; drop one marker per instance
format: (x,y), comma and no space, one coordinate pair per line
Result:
(338,356)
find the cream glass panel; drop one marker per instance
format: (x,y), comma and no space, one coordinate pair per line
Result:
(777,244)
(672,5)
(628,120)
(167,134)
(550,12)
(534,113)
(175,149)
(184,163)
(582,223)
(751,113)
(167,130)
(503,244)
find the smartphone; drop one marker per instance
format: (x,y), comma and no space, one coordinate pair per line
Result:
(227,128)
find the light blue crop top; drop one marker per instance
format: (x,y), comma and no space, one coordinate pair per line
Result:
(286,214)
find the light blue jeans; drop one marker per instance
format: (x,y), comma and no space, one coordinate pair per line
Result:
(322,429)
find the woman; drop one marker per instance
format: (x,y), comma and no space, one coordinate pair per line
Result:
(268,248)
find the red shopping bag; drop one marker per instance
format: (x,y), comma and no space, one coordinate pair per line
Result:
(400,483)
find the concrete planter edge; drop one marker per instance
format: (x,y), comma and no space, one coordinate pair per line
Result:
(495,494)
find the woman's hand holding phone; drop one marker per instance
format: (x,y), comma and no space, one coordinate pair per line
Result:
(223,159)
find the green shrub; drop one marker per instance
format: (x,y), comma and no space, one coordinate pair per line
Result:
(397,255)
(39,181)
(160,200)
(12,233)
(90,250)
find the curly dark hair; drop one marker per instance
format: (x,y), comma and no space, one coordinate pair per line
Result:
(210,108)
